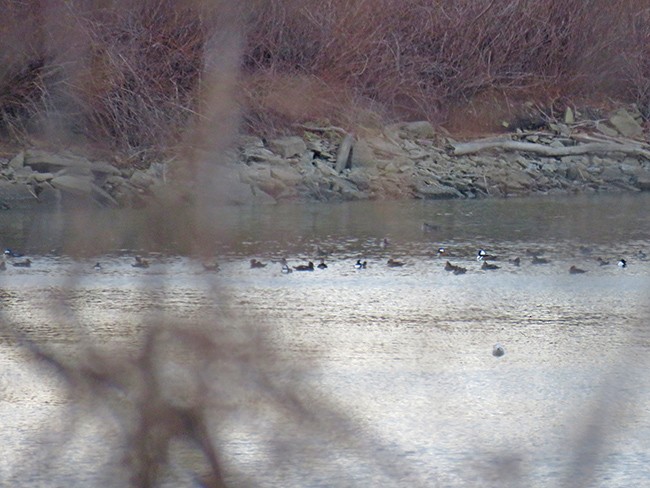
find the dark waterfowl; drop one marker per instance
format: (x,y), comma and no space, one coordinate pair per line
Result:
(516,261)
(97,266)
(602,262)
(538,260)
(489,266)
(360,265)
(305,267)
(576,270)
(394,264)
(27,263)
(622,263)
(140,262)
(257,264)
(12,254)
(442,252)
(498,350)
(452,268)
(322,264)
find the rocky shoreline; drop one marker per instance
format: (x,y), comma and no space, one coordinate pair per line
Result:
(412,160)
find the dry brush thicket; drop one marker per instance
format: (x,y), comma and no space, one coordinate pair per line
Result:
(134,75)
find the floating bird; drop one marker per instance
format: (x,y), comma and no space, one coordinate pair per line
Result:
(140,263)
(394,264)
(538,260)
(97,266)
(360,265)
(457,270)
(257,264)
(27,263)
(498,350)
(489,266)
(322,264)
(602,262)
(622,263)
(442,252)
(575,270)
(305,267)
(516,261)
(482,255)
(12,254)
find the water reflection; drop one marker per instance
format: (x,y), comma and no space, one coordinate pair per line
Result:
(403,356)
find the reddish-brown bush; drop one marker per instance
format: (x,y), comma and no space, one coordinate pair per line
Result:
(133,73)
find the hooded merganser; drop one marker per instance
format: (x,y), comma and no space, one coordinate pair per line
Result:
(538,260)
(140,263)
(454,269)
(97,266)
(622,263)
(575,270)
(322,264)
(27,263)
(482,255)
(360,265)
(305,267)
(498,350)
(488,266)
(257,264)
(394,264)
(12,254)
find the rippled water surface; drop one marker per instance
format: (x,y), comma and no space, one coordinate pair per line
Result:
(403,356)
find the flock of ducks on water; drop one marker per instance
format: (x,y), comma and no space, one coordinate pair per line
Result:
(486,259)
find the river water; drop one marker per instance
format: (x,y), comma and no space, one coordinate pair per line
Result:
(391,369)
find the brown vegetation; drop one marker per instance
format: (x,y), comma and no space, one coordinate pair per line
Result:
(133,74)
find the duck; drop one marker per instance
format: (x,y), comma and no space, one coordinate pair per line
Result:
(394,264)
(622,263)
(538,260)
(257,264)
(12,254)
(97,266)
(322,264)
(442,252)
(602,262)
(576,270)
(454,269)
(482,255)
(516,261)
(140,262)
(305,267)
(27,263)
(489,266)
(360,265)
(498,350)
